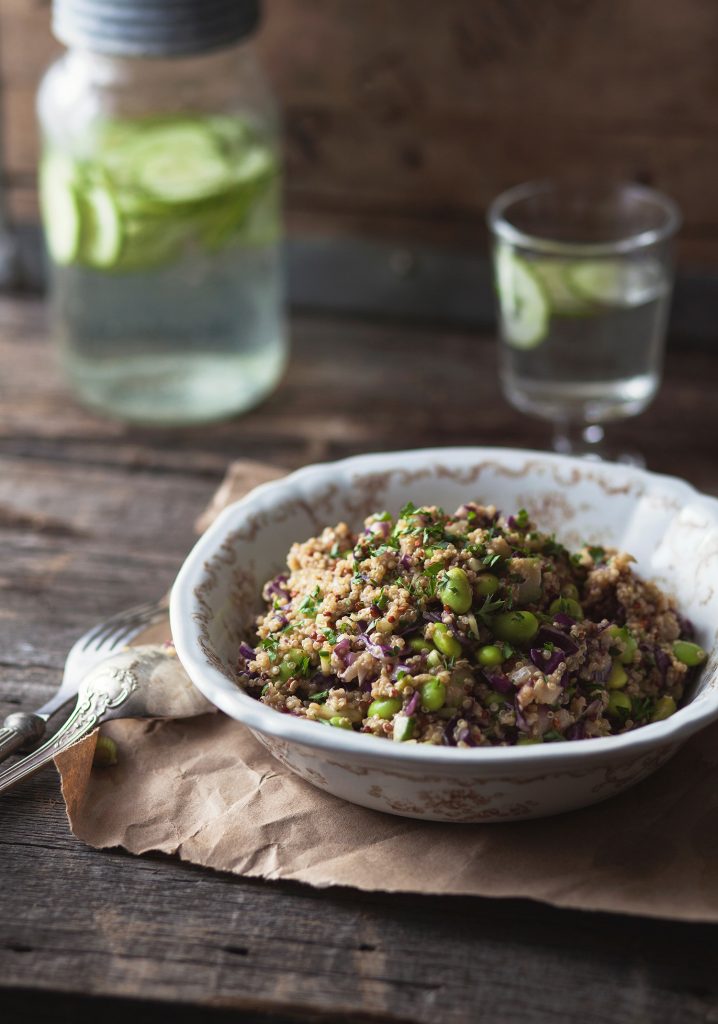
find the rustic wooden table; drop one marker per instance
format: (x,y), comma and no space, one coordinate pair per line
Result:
(95,516)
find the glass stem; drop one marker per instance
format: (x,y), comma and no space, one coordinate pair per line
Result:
(581,439)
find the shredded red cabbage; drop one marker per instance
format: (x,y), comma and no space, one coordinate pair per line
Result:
(246,651)
(499,682)
(562,619)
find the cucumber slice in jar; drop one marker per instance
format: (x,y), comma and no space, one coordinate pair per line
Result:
(173,163)
(60,208)
(622,283)
(101,226)
(524,303)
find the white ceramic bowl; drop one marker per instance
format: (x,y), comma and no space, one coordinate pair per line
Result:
(670,528)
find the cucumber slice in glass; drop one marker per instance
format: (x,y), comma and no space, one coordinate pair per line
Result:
(563,298)
(101,226)
(60,208)
(622,283)
(524,303)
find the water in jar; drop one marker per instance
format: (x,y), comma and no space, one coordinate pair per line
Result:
(582,339)
(164,245)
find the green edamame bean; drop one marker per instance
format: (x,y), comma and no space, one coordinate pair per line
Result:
(445,642)
(290,663)
(433,659)
(403,728)
(418,643)
(617,678)
(690,654)
(495,699)
(618,704)
(490,655)
(340,723)
(385,709)
(433,695)
(487,584)
(515,627)
(665,707)
(570,591)
(455,591)
(623,634)
(568,606)
(525,741)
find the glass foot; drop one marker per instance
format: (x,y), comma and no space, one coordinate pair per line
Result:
(588,441)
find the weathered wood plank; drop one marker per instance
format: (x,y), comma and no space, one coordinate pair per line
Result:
(94,516)
(406,127)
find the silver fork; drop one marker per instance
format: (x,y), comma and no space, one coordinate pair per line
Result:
(97,643)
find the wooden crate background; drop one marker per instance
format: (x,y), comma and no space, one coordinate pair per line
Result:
(404,118)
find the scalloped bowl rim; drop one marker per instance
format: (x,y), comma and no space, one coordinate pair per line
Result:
(231,699)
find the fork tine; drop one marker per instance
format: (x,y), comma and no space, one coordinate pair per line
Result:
(131,628)
(103,631)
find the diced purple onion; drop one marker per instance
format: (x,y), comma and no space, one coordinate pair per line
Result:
(350,658)
(465,737)
(521,722)
(413,703)
(366,686)
(246,651)
(273,588)
(499,682)
(343,647)
(688,631)
(405,562)
(511,522)
(547,665)
(549,635)
(448,738)
(663,662)
(577,731)
(593,709)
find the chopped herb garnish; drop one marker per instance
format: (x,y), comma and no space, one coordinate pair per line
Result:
(597,553)
(491,560)
(553,736)
(330,635)
(270,645)
(522,519)
(320,697)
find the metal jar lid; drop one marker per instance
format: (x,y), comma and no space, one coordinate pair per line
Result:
(153,28)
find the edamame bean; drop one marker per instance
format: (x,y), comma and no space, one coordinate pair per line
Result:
(623,634)
(568,606)
(618,704)
(690,654)
(455,591)
(487,584)
(445,642)
(490,655)
(665,707)
(570,591)
(433,659)
(433,695)
(526,741)
(418,643)
(340,723)
(290,663)
(385,708)
(495,699)
(403,728)
(515,627)
(617,678)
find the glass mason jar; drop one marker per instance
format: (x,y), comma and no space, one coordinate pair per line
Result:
(160,197)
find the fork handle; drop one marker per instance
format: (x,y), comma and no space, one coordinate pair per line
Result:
(79,724)
(17,730)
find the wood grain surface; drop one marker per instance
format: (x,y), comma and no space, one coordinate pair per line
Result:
(95,516)
(403,121)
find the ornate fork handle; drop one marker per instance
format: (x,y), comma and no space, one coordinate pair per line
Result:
(94,704)
(17,730)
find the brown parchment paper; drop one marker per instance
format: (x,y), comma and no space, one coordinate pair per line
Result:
(206,790)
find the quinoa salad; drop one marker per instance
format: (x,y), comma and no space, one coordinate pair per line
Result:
(466,630)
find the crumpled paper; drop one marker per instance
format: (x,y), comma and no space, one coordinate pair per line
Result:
(206,790)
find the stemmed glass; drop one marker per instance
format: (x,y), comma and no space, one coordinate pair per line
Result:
(583,278)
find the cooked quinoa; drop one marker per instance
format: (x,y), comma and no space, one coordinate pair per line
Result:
(468,630)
